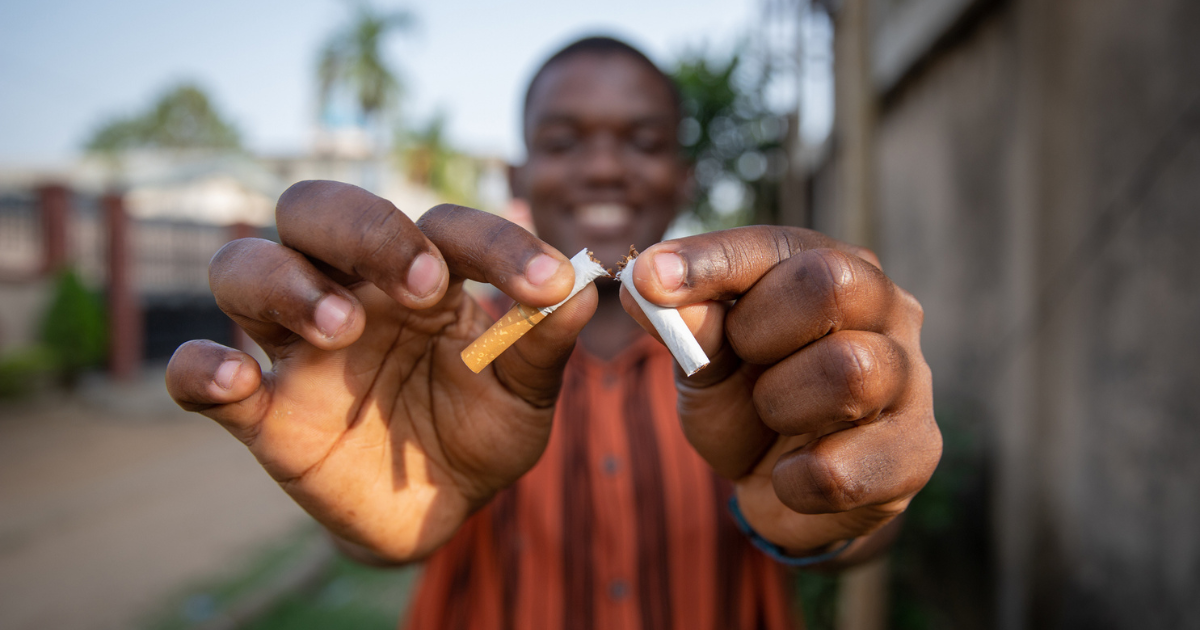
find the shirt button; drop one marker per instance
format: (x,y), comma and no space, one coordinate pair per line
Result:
(611,464)
(610,380)
(618,589)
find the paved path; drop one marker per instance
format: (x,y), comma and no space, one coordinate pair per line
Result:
(113,501)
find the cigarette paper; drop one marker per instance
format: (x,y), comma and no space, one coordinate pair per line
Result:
(669,324)
(520,318)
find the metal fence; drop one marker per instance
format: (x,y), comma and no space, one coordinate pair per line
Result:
(20,234)
(170,257)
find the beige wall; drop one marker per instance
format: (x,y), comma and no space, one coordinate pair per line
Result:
(1038,189)
(20,315)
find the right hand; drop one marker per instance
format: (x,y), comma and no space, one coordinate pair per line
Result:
(368,418)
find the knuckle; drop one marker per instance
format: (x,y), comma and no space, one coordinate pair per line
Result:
(853,368)
(221,261)
(822,484)
(433,219)
(867,254)
(827,276)
(841,491)
(912,306)
(770,397)
(441,218)
(381,227)
(233,255)
(289,199)
(728,260)
(783,243)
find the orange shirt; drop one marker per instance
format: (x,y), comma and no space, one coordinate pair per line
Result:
(619,525)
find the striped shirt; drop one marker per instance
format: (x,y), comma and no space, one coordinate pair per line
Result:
(620,524)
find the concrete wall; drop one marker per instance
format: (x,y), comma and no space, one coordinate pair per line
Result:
(1038,189)
(20,316)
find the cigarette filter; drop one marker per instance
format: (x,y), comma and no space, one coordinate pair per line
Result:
(669,324)
(520,318)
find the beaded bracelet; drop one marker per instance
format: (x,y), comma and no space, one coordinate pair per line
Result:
(775,551)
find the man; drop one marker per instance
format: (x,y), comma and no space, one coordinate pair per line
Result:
(572,485)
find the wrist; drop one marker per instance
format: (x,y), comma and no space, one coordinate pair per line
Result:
(818,556)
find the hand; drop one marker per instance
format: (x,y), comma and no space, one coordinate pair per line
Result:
(368,418)
(818,403)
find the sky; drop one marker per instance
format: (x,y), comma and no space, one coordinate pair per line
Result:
(67,66)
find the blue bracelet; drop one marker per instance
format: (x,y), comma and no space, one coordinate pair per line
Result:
(776,552)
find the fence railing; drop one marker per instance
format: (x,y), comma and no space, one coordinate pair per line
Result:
(20,235)
(169,257)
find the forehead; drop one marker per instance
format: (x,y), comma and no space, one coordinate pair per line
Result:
(591,86)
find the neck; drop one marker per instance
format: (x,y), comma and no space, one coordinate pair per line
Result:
(611,329)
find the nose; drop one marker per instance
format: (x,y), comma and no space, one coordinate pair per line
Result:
(603,164)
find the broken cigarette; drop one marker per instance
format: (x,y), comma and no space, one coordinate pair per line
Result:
(667,322)
(520,319)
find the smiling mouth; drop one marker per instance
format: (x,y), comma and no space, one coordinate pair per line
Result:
(604,217)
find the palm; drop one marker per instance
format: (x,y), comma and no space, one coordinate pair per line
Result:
(397,421)
(369,418)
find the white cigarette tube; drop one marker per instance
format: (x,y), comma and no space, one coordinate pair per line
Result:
(520,319)
(669,324)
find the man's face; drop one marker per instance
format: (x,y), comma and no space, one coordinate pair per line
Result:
(604,170)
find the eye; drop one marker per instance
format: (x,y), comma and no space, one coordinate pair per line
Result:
(557,141)
(648,140)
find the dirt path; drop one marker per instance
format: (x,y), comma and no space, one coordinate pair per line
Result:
(114,500)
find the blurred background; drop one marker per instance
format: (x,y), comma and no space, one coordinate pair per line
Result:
(1029,169)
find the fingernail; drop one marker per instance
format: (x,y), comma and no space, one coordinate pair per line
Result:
(332,314)
(226,373)
(540,269)
(424,275)
(668,267)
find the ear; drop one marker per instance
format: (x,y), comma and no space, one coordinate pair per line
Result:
(516,181)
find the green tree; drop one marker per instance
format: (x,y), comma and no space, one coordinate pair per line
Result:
(182,118)
(432,162)
(733,139)
(352,63)
(74,328)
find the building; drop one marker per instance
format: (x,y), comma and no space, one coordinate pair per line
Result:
(1029,170)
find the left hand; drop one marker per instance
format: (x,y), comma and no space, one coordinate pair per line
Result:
(818,403)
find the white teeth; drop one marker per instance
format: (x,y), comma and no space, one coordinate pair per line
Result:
(604,215)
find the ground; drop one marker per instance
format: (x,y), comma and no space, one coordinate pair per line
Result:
(115,502)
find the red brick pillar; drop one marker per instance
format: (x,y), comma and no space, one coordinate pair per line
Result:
(241,340)
(54,204)
(124,311)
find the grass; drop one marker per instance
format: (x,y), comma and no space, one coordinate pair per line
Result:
(348,595)
(351,596)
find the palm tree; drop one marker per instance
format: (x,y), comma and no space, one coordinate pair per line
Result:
(352,64)
(183,118)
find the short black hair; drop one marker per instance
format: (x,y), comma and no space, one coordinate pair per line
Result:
(603,46)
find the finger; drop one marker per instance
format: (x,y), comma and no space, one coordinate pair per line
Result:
(272,292)
(720,265)
(721,423)
(808,296)
(703,319)
(719,420)
(362,236)
(221,383)
(484,247)
(533,367)
(849,376)
(871,464)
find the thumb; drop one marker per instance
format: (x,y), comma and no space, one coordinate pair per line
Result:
(532,368)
